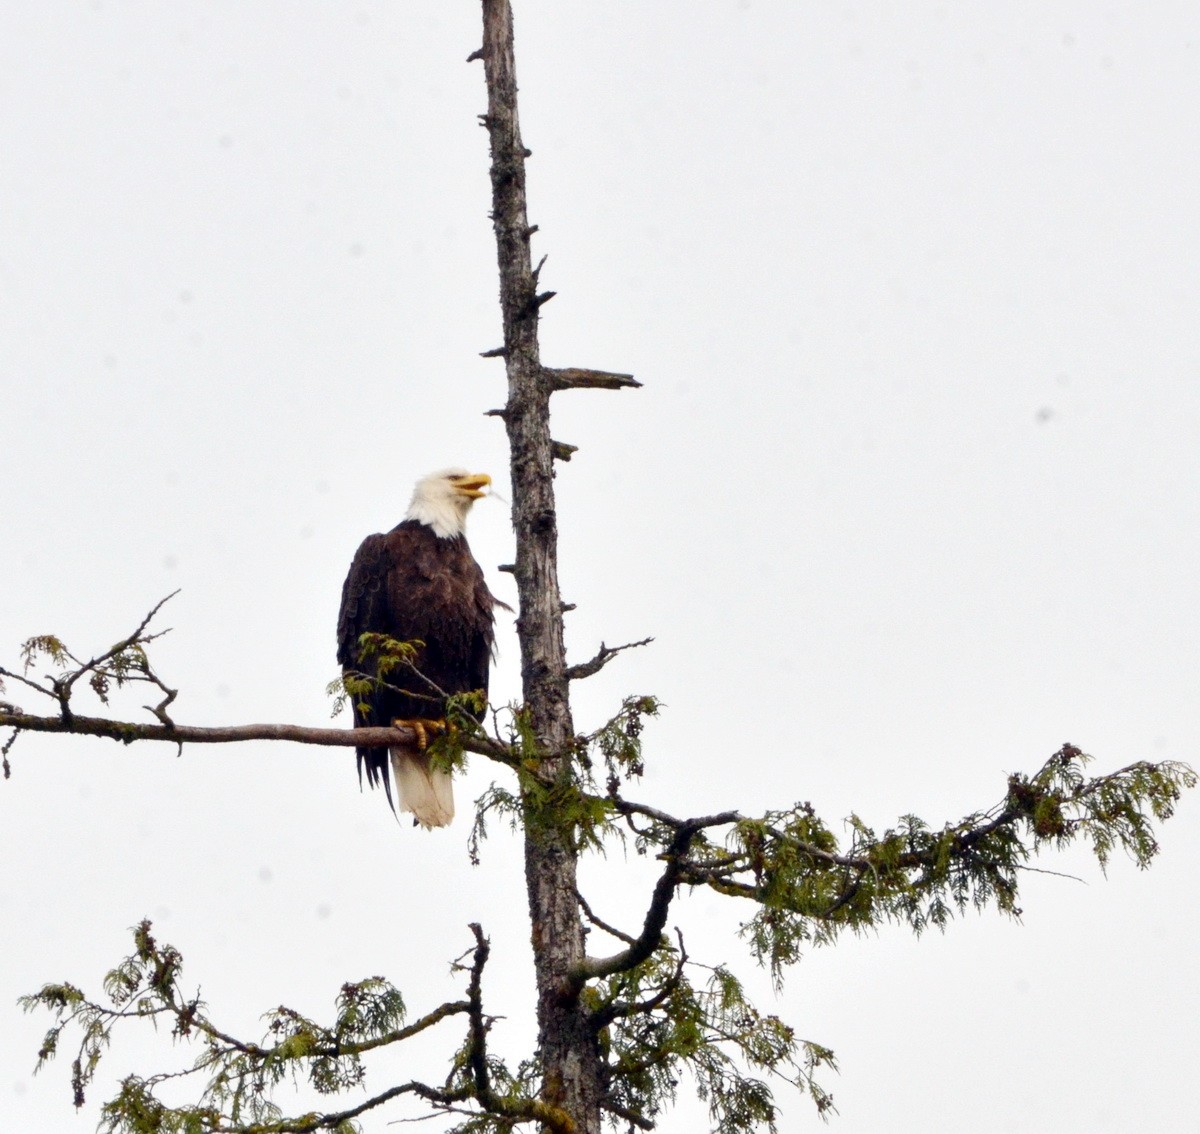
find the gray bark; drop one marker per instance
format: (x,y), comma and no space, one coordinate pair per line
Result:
(571,1061)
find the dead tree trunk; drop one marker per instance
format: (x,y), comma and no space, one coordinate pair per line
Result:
(571,1062)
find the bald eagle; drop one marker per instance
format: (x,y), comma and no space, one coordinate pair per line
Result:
(419,582)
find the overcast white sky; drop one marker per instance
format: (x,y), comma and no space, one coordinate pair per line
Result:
(909,499)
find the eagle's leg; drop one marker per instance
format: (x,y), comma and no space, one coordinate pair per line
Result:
(422,726)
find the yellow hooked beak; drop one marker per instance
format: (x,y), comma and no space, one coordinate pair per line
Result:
(472,484)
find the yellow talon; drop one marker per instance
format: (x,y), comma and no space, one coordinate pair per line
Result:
(422,726)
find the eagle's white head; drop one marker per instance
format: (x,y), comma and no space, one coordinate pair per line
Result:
(443,499)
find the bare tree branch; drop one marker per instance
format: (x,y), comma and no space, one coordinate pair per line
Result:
(129,731)
(656,916)
(602,658)
(477,1043)
(43,689)
(310,1123)
(627,807)
(562,451)
(551,1117)
(627,1115)
(596,921)
(578,378)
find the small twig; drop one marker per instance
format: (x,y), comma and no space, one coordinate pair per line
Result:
(626,1115)
(160,710)
(602,658)
(112,664)
(379,683)
(1053,873)
(442,1109)
(63,689)
(618,934)
(27,681)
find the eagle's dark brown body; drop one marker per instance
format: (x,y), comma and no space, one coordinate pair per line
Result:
(412,584)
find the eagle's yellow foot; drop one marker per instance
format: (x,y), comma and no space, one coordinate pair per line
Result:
(422,726)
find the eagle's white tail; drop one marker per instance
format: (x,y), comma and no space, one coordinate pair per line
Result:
(426,792)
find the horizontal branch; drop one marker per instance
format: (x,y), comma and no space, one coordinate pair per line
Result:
(579,378)
(340,1119)
(603,656)
(129,731)
(626,807)
(342,1047)
(359,1047)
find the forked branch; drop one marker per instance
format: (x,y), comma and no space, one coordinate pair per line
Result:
(648,940)
(603,656)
